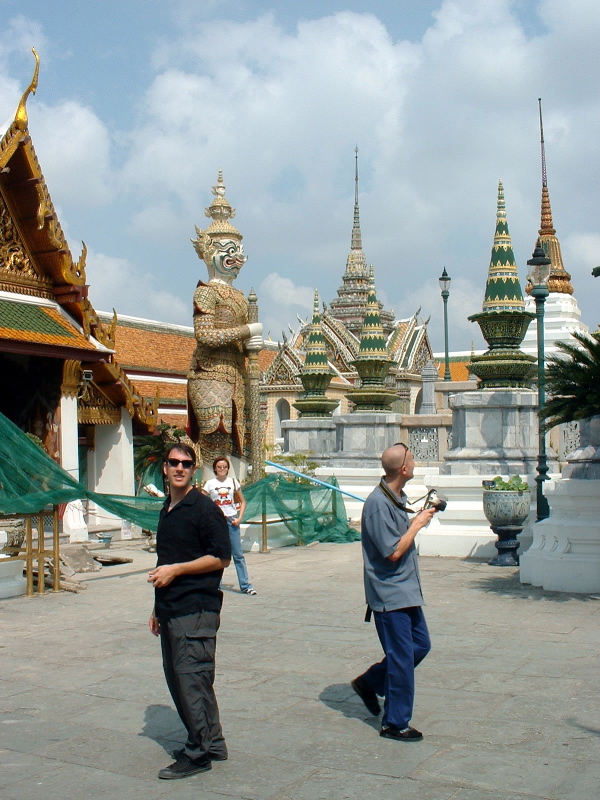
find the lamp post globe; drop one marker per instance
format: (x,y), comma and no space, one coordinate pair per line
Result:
(445,288)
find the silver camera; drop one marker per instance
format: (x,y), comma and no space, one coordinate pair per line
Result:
(435,500)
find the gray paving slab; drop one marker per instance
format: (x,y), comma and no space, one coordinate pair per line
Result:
(507,699)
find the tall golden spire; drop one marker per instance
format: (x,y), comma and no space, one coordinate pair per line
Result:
(356,263)
(560,280)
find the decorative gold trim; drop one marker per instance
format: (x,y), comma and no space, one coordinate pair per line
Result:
(21,116)
(71,378)
(17,268)
(97,409)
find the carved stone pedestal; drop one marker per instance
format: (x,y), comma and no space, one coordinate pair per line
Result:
(565,553)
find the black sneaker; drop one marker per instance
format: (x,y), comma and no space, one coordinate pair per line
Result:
(401,734)
(367,695)
(184,767)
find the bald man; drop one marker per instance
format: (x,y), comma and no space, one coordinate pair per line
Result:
(393,594)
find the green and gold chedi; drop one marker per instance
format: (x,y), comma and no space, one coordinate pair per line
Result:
(316,374)
(372,364)
(503,320)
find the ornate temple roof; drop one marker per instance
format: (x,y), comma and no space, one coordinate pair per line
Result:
(409,346)
(351,303)
(560,280)
(36,264)
(503,288)
(40,326)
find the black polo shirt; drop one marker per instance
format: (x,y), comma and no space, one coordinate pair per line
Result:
(195,527)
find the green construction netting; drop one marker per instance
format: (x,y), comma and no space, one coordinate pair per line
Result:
(30,480)
(310,512)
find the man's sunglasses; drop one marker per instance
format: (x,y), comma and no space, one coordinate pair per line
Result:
(186,463)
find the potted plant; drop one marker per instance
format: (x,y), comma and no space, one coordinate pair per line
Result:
(506,504)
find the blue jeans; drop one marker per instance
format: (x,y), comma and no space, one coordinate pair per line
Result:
(238,557)
(405,640)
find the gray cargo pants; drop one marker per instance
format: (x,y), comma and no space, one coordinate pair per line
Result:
(188,650)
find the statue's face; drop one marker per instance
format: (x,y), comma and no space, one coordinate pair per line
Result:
(228,259)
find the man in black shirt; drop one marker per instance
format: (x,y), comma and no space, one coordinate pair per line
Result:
(192,546)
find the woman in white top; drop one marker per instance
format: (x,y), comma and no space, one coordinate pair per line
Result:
(227,494)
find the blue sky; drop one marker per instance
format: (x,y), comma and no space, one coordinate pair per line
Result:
(140,103)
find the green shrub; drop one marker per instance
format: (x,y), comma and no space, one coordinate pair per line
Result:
(514,484)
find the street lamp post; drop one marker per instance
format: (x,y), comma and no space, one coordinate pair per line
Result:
(445,287)
(539,274)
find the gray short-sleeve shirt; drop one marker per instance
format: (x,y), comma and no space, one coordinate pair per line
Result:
(388,584)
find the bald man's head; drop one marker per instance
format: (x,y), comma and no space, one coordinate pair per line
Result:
(393,459)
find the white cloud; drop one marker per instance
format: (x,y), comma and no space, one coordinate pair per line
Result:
(116,282)
(282,304)
(581,251)
(285,293)
(74,148)
(438,122)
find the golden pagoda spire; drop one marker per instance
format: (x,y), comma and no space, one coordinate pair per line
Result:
(21,115)
(560,280)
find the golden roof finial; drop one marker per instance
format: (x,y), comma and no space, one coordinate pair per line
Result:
(21,115)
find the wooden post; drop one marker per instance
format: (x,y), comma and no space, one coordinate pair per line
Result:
(41,586)
(29,555)
(264,542)
(56,551)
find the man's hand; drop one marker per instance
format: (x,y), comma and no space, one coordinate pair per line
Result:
(423,518)
(163,576)
(154,625)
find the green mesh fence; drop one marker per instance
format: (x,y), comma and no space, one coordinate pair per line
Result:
(310,512)
(30,480)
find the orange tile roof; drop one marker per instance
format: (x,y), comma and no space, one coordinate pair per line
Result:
(266,358)
(171,391)
(459,370)
(153,349)
(28,322)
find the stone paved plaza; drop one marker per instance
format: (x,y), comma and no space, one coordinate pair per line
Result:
(508,699)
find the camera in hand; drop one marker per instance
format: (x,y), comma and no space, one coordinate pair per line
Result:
(435,500)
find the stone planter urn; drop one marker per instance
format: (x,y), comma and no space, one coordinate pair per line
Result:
(506,511)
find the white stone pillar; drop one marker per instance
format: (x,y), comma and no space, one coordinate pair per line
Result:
(110,469)
(69,440)
(74,525)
